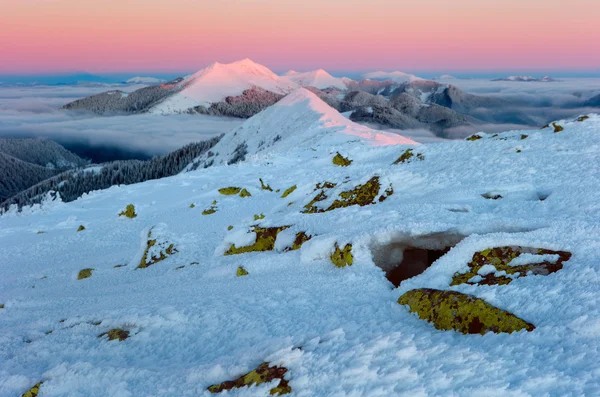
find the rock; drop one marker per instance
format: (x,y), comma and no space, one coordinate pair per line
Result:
(342,257)
(263,374)
(115,334)
(129,211)
(450,310)
(85,273)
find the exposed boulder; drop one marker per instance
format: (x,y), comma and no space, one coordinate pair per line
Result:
(262,374)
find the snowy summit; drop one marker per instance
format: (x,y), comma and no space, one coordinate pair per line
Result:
(318,78)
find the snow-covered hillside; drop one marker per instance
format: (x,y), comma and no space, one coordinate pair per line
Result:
(218,81)
(300,121)
(280,260)
(317,78)
(397,77)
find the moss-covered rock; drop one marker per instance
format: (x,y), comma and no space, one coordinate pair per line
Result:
(325,185)
(245,193)
(1,305)
(500,258)
(34,391)
(557,128)
(582,118)
(81,228)
(129,211)
(450,310)
(265,241)
(264,186)
(342,257)
(230,227)
(386,193)
(85,273)
(115,334)
(259,217)
(210,210)
(241,272)
(300,239)
(474,137)
(523,136)
(263,374)
(157,250)
(408,156)
(361,195)
(341,161)
(491,196)
(288,191)
(230,191)
(192,205)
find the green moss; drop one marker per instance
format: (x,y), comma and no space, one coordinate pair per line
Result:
(118,266)
(85,273)
(310,208)
(179,267)
(342,257)
(288,191)
(258,217)
(230,191)
(582,118)
(245,193)
(81,228)
(129,211)
(265,241)
(408,156)
(1,305)
(162,255)
(229,227)
(450,310)
(557,128)
(115,334)
(241,272)
(501,257)
(263,186)
(341,161)
(34,391)
(474,137)
(523,136)
(262,374)
(192,205)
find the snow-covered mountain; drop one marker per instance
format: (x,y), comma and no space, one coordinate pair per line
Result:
(218,81)
(459,268)
(397,77)
(317,78)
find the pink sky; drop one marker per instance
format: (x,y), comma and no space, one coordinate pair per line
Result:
(177,35)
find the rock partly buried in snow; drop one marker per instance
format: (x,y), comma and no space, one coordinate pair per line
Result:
(408,156)
(158,248)
(262,374)
(361,195)
(342,257)
(341,161)
(501,265)
(265,240)
(115,334)
(451,310)
(34,391)
(241,272)
(85,273)
(129,211)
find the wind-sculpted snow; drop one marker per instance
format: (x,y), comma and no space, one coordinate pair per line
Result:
(322,318)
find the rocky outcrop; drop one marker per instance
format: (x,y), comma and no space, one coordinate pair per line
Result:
(262,374)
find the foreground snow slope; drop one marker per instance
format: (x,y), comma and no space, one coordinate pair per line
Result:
(194,326)
(218,81)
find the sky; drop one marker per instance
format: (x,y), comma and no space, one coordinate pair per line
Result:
(108,36)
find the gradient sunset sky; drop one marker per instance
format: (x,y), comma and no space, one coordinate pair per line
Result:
(103,36)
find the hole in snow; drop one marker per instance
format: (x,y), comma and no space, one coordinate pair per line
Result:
(405,257)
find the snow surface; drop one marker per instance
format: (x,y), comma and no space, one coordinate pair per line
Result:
(218,81)
(200,325)
(317,78)
(398,77)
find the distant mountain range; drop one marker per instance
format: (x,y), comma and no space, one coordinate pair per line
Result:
(544,79)
(244,88)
